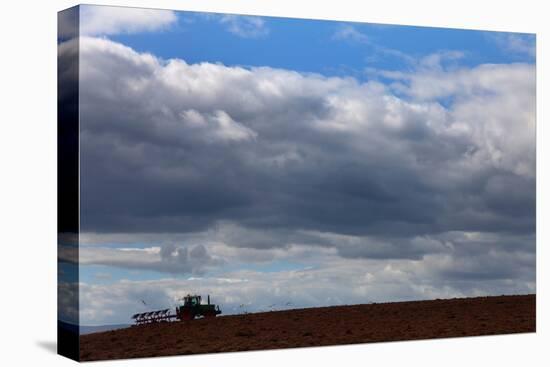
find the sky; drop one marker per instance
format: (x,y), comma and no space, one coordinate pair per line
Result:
(279,163)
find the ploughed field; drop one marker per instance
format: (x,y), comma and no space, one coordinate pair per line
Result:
(317,327)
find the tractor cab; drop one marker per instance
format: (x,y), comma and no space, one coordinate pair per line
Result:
(191,301)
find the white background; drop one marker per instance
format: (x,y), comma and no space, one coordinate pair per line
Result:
(28,183)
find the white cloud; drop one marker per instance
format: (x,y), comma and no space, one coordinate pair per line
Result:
(350,33)
(520,44)
(220,125)
(493,104)
(244,26)
(487,79)
(98,20)
(436,60)
(338,282)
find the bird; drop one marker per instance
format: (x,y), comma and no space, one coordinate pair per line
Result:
(142,301)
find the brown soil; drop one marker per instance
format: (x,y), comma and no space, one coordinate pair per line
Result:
(317,327)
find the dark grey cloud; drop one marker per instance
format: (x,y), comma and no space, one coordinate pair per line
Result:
(176,148)
(184,259)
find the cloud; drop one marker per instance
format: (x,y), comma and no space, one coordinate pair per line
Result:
(480,94)
(455,264)
(438,60)
(168,258)
(350,33)
(234,246)
(517,43)
(218,125)
(109,20)
(338,282)
(244,26)
(68,308)
(300,151)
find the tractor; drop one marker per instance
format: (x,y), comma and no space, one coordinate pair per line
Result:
(189,310)
(192,308)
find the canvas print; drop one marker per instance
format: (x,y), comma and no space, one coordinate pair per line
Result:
(231,183)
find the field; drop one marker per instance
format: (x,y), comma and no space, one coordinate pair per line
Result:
(317,327)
